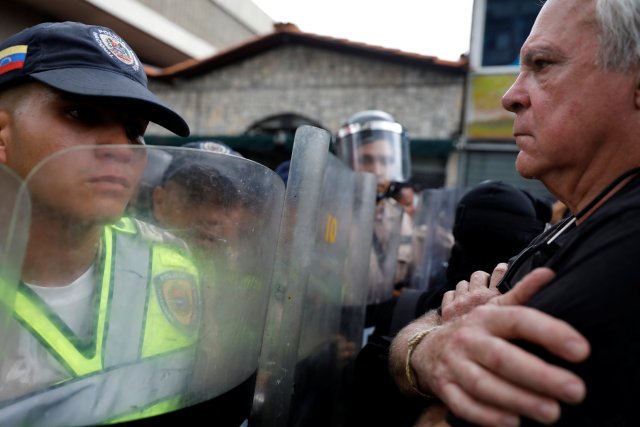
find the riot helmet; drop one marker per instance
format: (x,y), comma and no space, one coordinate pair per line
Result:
(372,141)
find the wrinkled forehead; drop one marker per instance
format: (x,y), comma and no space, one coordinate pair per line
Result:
(564,15)
(563,27)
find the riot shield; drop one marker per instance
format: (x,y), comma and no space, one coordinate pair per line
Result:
(306,348)
(356,282)
(384,253)
(296,242)
(433,234)
(138,305)
(15,212)
(234,245)
(355,290)
(323,351)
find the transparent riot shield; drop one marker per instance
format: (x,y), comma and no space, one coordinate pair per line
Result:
(15,212)
(306,347)
(296,243)
(433,234)
(323,351)
(234,244)
(138,309)
(356,282)
(354,291)
(384,253)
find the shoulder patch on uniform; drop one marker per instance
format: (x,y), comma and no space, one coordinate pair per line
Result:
(178,298)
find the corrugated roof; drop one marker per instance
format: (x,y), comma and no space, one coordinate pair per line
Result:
(287,34)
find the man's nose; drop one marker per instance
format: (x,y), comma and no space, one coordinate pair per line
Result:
(119,153)
(516,97)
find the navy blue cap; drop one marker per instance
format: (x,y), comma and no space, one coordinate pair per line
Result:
(83,60)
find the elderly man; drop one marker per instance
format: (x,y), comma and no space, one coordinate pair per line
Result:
(577,107)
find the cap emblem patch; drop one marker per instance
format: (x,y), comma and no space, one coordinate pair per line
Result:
(114,46)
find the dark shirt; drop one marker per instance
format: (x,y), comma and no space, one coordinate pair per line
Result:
(597,291)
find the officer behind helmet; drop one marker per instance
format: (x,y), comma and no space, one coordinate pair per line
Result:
(107,313)
(215,202)
(197,202)
(372,141)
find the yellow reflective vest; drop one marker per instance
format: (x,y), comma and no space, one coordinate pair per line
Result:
(139,359)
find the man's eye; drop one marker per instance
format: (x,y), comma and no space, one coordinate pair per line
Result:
(540,64)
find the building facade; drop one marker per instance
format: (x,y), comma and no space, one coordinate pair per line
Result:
(239,79)
(324,80)
(162,32)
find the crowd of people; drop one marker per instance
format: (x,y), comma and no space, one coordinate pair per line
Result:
(130,282)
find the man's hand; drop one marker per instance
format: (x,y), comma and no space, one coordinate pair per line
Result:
(482,288)
(470,364)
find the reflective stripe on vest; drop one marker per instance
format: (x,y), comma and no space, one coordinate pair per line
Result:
(127,307)
(51,331)
(111,363)
(130,389)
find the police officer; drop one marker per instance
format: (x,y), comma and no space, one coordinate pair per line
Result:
(107,313)
(372,141)
(216,200)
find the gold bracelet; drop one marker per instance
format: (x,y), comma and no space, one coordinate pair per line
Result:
(408,370)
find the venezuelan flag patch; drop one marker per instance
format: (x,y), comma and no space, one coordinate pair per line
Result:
(12,58)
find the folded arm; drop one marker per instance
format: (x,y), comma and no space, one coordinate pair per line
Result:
(469,362)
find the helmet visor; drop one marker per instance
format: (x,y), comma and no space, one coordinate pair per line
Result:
(377,147)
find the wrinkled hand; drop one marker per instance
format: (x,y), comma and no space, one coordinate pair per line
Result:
(470,364)
(480,289)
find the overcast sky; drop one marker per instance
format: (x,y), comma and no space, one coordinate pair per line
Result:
(430,27)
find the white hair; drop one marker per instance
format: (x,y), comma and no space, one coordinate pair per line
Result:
(619,23)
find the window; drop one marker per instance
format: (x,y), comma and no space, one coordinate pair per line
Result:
(507,25)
